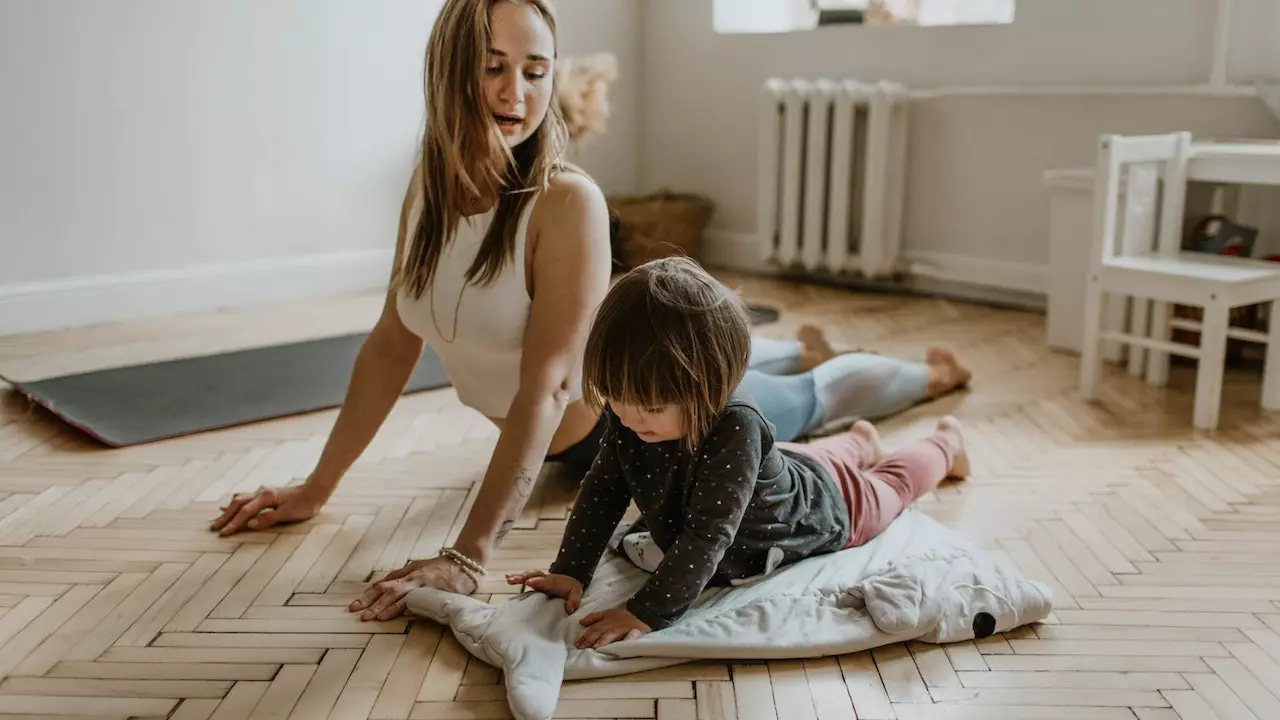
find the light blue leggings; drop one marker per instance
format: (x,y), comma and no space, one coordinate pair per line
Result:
(858,386)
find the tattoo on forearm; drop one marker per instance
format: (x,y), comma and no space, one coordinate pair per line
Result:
(506,528)
(524,484)
(524,488)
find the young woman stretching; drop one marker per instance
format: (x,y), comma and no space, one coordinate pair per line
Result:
(502,256)
(714,487)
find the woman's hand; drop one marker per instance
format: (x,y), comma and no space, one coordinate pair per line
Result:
(293,503)
(606,627)
(384,599)
(561,586)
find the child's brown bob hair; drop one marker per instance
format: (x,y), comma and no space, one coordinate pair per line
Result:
(668,334)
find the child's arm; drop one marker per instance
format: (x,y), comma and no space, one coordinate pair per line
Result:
(724,483)
(601,503)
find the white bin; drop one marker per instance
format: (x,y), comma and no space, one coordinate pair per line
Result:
(1071,242)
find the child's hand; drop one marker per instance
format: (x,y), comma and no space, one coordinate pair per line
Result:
(561,586)
(605,627)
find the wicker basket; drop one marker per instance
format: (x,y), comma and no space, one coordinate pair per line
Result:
(658,225)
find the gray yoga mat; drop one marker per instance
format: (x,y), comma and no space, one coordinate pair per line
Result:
(138,404)
(144,403)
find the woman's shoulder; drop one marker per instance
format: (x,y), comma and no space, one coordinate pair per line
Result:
(570,191)
(572,210)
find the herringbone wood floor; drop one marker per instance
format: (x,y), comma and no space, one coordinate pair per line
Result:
(115,602)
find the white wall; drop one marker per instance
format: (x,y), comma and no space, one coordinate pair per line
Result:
(155,134)
(974,188)
(172,155)
(1255,46)
(161,157)
(612,26)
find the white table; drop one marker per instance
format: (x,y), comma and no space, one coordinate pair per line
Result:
(1228,163)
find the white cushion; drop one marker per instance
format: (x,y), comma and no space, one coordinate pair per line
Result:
(918,580)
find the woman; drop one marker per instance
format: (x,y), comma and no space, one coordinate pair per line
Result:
(502,257)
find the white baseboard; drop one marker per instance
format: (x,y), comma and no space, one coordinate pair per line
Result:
(738,251)
(76,302)
(999,274)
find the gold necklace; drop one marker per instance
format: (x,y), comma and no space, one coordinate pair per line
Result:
(457,306)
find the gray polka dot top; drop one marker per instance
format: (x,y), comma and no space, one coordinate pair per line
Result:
(715,514)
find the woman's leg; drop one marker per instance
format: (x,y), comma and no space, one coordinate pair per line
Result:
(787,357)
(788,402)
(869,387)
(800,385)
(777,357)
(854,385)
(776,380)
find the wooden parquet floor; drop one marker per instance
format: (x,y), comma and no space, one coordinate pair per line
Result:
(1160,543)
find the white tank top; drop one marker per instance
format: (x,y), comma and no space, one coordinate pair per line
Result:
(476,330)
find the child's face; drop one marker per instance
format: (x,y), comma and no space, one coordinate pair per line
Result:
(652,424)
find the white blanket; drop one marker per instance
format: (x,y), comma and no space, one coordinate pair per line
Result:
(918,580)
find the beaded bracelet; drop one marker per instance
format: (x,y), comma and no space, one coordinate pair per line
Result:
(467,571)
(463,561)
(464,567)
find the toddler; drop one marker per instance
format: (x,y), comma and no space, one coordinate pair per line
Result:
(664,357)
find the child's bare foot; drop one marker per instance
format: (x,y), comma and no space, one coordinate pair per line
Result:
(949,431)
(870,437)
(945,371)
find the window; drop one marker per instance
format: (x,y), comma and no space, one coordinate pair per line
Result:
(966,12)
(764,16)
(916,12)
(780,16)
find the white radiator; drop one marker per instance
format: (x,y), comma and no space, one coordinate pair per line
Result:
(832,176)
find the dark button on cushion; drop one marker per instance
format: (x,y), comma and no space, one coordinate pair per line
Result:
(983,625)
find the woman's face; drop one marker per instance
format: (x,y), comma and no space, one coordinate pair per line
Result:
(518,76)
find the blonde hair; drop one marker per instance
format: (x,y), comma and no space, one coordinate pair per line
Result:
(462,154)
(669,334)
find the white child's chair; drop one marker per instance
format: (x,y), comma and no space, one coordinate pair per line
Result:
(1139,256)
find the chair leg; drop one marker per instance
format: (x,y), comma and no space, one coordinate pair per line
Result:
(1271,371)
(1091,348)
(1115,318)
(1138,326)
(1158,360)
(1213,359)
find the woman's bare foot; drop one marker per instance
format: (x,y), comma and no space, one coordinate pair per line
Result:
(945,371)
(949,430)
(816,349)
(870,437)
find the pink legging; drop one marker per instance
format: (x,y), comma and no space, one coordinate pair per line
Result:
(876,495)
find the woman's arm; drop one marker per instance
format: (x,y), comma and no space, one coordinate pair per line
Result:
(382,369)
(601,504)
(570,275)
(571,268)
